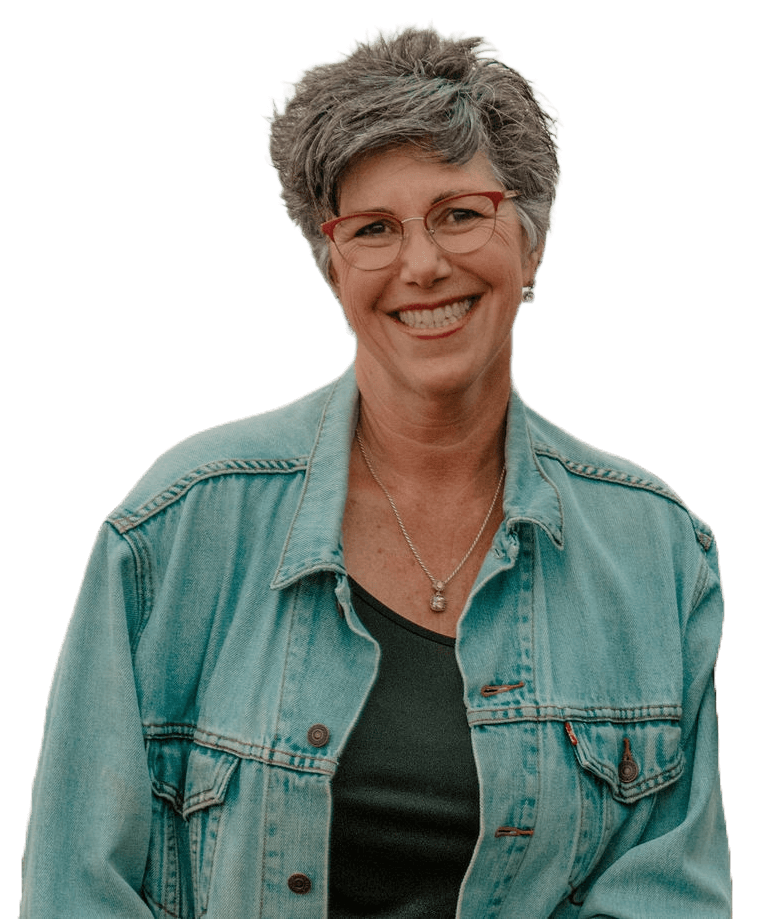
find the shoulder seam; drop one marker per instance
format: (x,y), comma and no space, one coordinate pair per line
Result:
(123,522)
(630,480)
(607,473)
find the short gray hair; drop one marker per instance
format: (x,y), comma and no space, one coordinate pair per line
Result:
(440,95)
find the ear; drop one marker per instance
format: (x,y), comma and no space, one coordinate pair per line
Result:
(531,262)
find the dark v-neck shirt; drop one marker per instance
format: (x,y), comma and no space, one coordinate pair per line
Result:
(405,795)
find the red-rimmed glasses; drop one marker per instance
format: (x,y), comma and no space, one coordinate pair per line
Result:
(372,240)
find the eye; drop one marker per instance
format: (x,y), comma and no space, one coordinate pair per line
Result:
(457,216)
(373,229)
(461,215)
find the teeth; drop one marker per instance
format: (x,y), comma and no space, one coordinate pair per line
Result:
(437,318)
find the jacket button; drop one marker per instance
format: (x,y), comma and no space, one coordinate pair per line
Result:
(628,770)
(299,883)
(318,735)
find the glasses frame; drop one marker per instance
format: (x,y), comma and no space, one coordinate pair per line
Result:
(496,198)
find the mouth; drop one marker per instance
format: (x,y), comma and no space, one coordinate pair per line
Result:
(437,317)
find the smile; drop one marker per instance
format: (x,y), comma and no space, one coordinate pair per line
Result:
(436,318)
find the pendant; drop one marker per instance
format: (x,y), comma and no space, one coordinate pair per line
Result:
(438,601)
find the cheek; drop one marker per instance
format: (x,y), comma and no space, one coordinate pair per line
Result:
(503,270)
(356,290)
(501,255)
(354,300)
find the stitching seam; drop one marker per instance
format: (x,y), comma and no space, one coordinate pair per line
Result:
(125,522)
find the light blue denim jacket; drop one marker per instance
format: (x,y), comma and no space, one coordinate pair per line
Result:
(180,777)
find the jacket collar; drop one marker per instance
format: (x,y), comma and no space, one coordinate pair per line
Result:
(530,495)
(314,540)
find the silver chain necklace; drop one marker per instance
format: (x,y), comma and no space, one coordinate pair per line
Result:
(438,601)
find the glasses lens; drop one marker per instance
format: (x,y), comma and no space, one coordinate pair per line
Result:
(373,240)
(368,241)
(462,224)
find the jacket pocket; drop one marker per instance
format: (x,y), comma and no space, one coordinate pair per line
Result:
(632,758)
(621,766)
(190,784)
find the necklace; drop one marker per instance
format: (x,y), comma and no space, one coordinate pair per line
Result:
(438,601)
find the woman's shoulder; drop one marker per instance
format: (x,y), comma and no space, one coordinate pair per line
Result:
(582,462)
(280,440)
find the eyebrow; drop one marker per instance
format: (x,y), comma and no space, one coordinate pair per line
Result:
(448,194)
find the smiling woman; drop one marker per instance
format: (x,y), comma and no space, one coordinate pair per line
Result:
(386,651)
(452,105)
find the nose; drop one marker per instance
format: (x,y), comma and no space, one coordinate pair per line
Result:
(421,261)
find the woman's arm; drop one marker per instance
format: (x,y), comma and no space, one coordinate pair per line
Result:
(680,867)
(91,809)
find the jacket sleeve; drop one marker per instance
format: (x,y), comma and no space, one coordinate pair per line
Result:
(680,866)
(89,830)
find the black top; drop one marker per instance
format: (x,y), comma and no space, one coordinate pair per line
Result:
(405,795)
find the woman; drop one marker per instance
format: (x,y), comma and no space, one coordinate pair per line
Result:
(403,648)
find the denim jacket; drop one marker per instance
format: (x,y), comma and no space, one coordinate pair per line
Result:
(214,669)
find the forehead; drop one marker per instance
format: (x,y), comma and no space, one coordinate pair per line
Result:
(390,180)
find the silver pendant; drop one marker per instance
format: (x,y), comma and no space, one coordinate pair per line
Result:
(438,601)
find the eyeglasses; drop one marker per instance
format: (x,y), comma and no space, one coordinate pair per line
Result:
(372,240)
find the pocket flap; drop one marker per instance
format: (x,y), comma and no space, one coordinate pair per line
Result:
(208,775)
(167,762)
(633,758)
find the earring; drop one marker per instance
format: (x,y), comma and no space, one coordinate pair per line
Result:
(528,293)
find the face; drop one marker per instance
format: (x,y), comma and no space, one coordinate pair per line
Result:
(433,321)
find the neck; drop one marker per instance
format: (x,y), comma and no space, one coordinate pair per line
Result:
(440,440)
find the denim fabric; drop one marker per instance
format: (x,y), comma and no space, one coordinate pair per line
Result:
(179,775)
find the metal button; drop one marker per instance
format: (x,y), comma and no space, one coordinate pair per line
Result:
(318,735)
(299,883)
(628,770)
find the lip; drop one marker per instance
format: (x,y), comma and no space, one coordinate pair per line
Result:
(444,331)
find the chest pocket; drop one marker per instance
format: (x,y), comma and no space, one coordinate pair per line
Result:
(621,766)
(633,758)
(190,784)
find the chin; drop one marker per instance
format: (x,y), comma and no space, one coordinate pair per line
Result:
(442,378)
